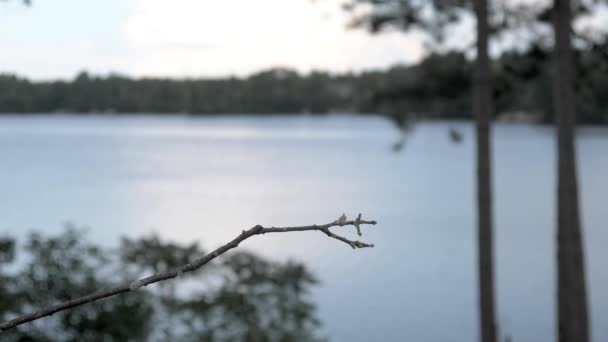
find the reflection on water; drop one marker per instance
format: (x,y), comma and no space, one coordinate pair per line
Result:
(207,179)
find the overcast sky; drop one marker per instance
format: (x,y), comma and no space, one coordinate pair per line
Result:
(58,38)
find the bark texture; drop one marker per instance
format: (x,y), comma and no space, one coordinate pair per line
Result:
(482,110)
(572,317)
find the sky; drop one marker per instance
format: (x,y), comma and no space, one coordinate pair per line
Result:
(189,38)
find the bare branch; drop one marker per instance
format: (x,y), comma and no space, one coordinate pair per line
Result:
(196,264)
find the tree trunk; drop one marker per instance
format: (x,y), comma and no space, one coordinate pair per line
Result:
(482,110)
(573,324)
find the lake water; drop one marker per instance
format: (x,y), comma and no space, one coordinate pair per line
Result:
(208,178)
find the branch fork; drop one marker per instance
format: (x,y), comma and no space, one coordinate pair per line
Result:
(194,265)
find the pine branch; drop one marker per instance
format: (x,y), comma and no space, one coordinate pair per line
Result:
(196,264)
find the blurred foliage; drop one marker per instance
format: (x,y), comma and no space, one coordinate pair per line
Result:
(523,80)
(437,87)
(7,255)
(514,23)
(432,17)
(261,300)
(240,297)
(25,2)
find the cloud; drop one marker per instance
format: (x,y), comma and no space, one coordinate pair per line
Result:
(193,38)
(204,37)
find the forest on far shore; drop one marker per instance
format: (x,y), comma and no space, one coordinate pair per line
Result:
(439,87)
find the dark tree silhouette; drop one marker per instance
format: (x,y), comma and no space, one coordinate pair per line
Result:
(414,14)
(572,317)
(482,110)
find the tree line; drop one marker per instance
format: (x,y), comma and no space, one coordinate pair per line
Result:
(491,86)
(438,87)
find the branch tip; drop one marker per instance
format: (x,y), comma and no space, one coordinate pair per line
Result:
(191,266)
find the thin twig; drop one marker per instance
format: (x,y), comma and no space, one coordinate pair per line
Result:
(257,230)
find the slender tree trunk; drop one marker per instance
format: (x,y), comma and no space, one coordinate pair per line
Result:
(482,109)
(573,324)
